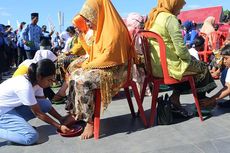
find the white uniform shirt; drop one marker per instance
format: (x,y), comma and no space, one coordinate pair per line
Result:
(15,92)
(194,53)
(227,79)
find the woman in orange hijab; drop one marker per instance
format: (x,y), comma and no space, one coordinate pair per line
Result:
(163,20)
(106,67)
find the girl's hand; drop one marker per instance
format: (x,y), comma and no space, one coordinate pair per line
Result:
(65,129)
(68,120)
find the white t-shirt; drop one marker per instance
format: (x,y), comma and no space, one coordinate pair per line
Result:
(15,92)
(194,53)
(227,79)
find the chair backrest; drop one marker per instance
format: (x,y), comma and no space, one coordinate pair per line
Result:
(204,35)
(145,36)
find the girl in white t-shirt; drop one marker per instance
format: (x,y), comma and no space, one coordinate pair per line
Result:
(17,102)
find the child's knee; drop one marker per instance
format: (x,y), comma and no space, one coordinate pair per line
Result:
(31,138)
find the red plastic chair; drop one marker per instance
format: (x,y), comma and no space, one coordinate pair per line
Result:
(129,83)
(218,39)
(206,52)
(167,80)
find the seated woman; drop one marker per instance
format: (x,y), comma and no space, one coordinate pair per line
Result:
(134,23)
(85,39)
(73,49)
(18,104)
(208,28)
(106,67)
(163,21)
(190,33)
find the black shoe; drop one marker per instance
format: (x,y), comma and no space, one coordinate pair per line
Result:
(181,112)
(224,104)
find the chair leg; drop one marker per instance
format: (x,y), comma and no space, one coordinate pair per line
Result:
(139,103)
(154,102)
(143,92)
(144,89)
(97,114)
(192,84)
(127,93)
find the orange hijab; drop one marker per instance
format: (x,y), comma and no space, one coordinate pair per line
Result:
(112,43)
(80,23)
(169,6)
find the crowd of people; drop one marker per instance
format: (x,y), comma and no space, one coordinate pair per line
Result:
(94,53)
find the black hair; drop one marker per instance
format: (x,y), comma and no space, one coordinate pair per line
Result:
(180,22)
(43,68)
(216,27)
(225,50)
(45,41)
(199,41)
(44,27)
(71,29)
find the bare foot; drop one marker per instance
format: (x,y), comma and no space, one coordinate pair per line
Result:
(88,131)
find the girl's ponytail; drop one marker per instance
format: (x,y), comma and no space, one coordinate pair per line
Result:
(32,72)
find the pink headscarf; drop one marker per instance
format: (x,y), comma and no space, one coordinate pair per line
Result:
(207,27)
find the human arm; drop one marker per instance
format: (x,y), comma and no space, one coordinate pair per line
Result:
(37,112)
(172,26)
(224,92)
(25,34)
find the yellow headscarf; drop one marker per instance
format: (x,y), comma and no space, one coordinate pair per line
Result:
(112,43)
(169,6)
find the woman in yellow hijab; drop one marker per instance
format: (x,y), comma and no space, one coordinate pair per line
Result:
(163,20)
(106,67)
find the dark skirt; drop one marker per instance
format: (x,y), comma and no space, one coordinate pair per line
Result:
(202,77)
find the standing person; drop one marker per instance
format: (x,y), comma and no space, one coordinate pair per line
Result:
(20,44)
(163,21)
(46,33)
(18,104)
(31,36)
(2,51)
(106,67)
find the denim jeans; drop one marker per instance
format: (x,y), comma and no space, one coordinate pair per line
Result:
(14,126)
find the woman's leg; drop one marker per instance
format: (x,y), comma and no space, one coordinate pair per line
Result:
(13,127)
(84,84)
